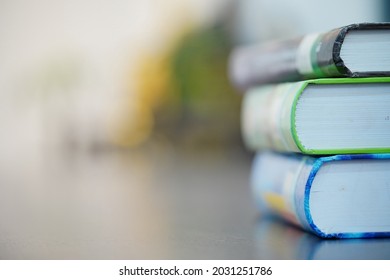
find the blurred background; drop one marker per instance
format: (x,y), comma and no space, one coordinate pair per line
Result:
(124,109)
(86,75)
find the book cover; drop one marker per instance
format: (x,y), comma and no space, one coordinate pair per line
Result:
(341,196)
(356,50)
(319,117)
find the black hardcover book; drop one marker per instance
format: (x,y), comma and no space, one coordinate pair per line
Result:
(356,50)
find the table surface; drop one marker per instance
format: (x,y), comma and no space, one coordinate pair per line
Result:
(150,204)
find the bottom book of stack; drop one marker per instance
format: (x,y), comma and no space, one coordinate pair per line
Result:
(342,196)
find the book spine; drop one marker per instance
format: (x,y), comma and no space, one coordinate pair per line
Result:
(308,57)
(314,57)
(260,64)
(266,117)
(279,183)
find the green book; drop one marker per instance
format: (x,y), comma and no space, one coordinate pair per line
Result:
(323,116)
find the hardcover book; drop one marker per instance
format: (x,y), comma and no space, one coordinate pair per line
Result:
(357,50)
(323,116)
(341,196)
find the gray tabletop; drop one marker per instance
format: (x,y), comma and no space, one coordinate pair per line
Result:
(150,204)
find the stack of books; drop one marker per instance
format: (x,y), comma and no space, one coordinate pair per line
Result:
(316,111)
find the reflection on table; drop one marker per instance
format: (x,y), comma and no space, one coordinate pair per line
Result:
(275,239)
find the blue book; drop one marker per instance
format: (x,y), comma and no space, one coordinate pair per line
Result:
(341,196)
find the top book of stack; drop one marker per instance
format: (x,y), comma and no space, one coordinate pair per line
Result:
(356,50)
